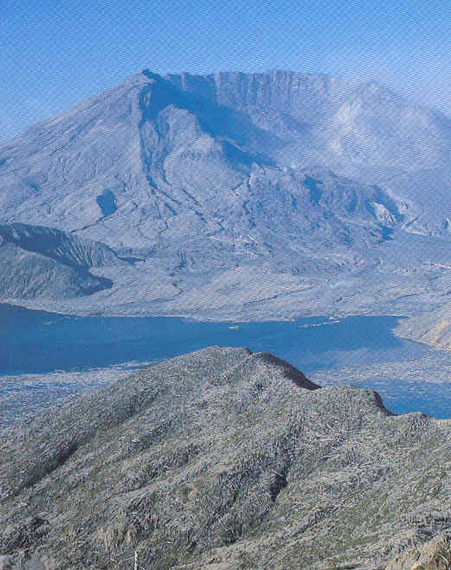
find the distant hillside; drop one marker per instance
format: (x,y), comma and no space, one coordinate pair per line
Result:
(40,263)
(226,459)
(433,328)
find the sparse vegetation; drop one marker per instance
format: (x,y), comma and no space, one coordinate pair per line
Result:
(225,459)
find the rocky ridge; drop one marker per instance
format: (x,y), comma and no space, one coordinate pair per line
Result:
(225,459)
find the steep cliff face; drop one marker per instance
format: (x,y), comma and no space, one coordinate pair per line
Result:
(349,122)
(229,459)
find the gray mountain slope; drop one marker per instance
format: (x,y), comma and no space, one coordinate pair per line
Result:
(169,142)
(38,263)
(224,459)
(60,246)
(29,274)
(433,328)
(248,196)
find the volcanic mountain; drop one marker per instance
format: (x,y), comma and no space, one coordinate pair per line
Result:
(233,195)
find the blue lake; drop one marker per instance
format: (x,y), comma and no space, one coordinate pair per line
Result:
(40,342)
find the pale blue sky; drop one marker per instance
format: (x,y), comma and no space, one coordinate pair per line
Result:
(54,53)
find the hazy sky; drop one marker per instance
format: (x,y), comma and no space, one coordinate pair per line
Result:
(55,53)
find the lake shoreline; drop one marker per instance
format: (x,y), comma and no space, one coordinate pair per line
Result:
(36,346)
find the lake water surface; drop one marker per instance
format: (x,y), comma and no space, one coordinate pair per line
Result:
(40,342)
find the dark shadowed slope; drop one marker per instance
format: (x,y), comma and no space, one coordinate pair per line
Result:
(38,263)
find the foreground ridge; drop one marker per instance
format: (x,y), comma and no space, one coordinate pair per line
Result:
(225,459)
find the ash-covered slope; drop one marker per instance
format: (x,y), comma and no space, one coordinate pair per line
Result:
(226,459)
(60,246)
(433,328)
(43,263)
(298,182)
(174,144)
